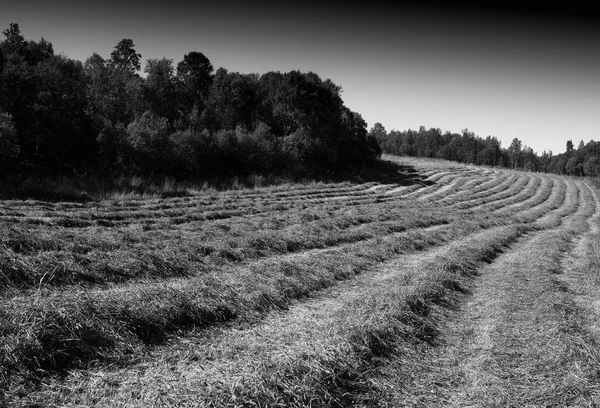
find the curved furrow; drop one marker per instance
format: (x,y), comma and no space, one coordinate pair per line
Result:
(586,209)
(569,206)
(404,189)
(504,190)
(283,299)
(518,193)
(216,296)
(439,183)
(90,218)
(512,344)
(235,206)
(94,267)
(546,204)
(593,224)
(466,188)
(487,183)
(449,189)
(541,194)
(53,263)
(170,207)
(130,315)
(438,175)
(313,351)
(381,187)
(486,189)
(273,192)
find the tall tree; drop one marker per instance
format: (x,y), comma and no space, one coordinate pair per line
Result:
(514,152)
(159,88)
(194,78)
(569,146)
(113,93)
(15,43)
(378,130)
(58,118)
(124,56)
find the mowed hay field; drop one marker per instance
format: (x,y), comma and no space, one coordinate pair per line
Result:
(442,285)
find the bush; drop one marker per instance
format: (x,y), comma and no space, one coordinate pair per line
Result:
(148,137)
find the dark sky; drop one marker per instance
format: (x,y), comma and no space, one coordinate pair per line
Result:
(525,69)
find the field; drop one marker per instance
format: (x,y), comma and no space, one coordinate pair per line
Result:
(440,285)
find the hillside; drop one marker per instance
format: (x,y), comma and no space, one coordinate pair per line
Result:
(441,285)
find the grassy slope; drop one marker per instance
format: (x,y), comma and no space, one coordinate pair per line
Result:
(295,333)
(521,339)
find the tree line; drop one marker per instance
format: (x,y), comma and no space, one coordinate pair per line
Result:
(59,116)
(467,147)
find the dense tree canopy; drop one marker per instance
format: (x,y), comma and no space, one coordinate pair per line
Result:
(59,116)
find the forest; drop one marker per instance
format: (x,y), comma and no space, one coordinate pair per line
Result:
(467,147)
(63,118)
(104,118)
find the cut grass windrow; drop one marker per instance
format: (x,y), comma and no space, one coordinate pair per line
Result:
(523,340)
(51,333)
(173,213)
(497,183)
(65,330)
(542,193)
(55,331)
(317,354)
(472,185)
(33,260)
(448,189)
(545,205)
(108,287)
(200,206)
(513,185)
(521,191)
(442,181)
(439,181)
(38,257)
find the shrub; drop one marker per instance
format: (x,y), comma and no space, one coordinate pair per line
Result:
(148,137)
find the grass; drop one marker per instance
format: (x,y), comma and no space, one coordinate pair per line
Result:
(94,188)
(124,319)
(320,285)
(519,341)
(94,255)
(270,364)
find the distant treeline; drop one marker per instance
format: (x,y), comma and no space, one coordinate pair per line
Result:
(61,117)
(466,147)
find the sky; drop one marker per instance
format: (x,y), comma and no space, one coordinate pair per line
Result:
(512,70)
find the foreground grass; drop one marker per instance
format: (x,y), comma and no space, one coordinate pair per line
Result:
(63,330)
(126,291)
(317,353)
